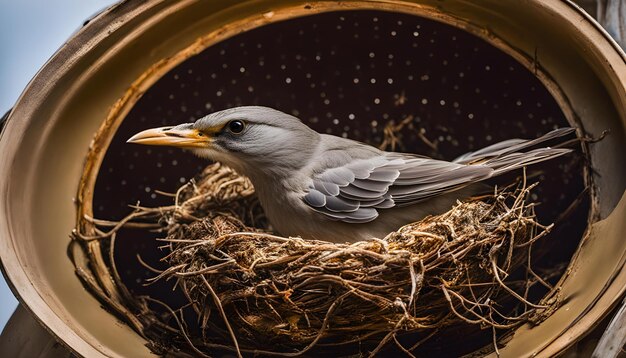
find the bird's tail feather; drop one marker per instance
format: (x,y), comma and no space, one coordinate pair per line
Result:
(510,146)
(512,154)
(517,160)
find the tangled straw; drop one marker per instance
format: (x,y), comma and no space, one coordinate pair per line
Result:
(254,292)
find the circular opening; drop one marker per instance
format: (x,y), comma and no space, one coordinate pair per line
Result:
(347,73)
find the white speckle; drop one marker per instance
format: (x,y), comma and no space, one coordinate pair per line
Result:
(283,67)
(351,116)
(268,15)
(393,33)
(390,80)
(487,68)
(147,189)
(335,121)
(208,105)
(377,100)
(518,103)
(182,179)
(424,101)
(372,55)
(416,34)
(318,57)
(425,77)
(242,69)
(174,162)
(356,80)
(250,89)
(442,102)
(288,80)
(374,123)
(218,93)
(372,80)
(171,96)
(470,116)
(326,101)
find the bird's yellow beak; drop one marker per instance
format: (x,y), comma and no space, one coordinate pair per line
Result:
(173,137)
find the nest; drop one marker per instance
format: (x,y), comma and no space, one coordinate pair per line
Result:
(250,291)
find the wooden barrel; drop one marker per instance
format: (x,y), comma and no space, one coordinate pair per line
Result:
(94,81)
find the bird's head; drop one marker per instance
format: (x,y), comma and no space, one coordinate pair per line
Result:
(247,138)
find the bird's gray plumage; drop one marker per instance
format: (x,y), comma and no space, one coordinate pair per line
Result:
(358,190)
(326,187)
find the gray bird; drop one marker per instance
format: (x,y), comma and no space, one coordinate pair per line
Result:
(319,186)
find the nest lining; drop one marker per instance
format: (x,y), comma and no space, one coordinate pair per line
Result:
(254,292)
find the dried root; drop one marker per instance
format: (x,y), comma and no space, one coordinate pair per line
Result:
(253,292)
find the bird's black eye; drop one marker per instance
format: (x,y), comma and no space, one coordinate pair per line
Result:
(236,126)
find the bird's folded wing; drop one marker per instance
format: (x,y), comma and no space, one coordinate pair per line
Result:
(356,191)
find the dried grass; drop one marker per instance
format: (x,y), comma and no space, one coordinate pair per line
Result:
(254,292)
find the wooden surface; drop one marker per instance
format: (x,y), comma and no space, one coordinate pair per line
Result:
(612,16)
(24,337)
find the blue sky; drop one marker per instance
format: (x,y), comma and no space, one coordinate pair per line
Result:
(30,32)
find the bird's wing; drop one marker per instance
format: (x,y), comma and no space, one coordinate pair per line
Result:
(356,191)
